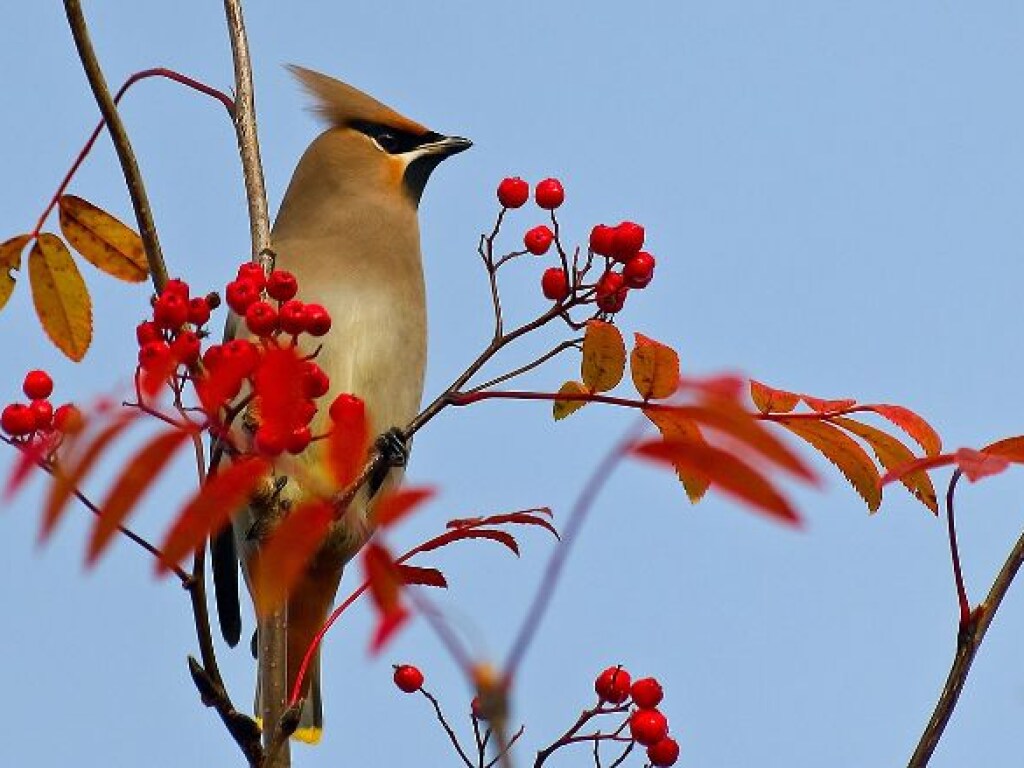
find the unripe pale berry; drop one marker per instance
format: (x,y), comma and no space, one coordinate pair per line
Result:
(292,317)
(282,285)
(601,237)
(538,240)
(316,320)
(555,283)
(17,419)
(549,194)
(627,241)
(648,726)
(408,678)
(261,318)
(240,294)
(37,385)
(513,192)
(647,693)
(639,270)
(42,412)
(664,753)
(612,685)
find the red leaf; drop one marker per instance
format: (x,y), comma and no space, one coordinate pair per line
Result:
(211,509)
(386,628)
(918,465)
(1010,448)
(979,464)
(397,504)
(217,387)
(726,386)
(676,428)
(278,383)
(279,563)
(520,518)
(383,576)
(818,405)
(912,424)
(29,458)
(458,534)
(771,400)
(142,469)
(349,441)
(725,471)
(424,577)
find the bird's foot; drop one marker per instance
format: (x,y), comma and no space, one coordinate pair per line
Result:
(393,448)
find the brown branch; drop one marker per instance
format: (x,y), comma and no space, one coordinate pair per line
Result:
(969,640)
(122,145)
(447,728)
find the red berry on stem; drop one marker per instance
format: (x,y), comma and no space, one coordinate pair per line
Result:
(298,440)
(243,353)
(601,237)
(282,285)
(37,385)
(538,240)
(549,194)
(315,383)
(198,311)
(292,317)
(155,357)
(316,320)
(186,348)
(269,442)
(663,753)
(555,283)
(408,678)
(42,412)
(347,409)
(639,270)
(177,287)
(647,693)
(261,318)
(252,273)
(648,726)
(627,241)
(240,294)
(170,311)
(17,419)
(611,292)
(307,410)
(612,685)
(146,332)
(68,419)
(513,192)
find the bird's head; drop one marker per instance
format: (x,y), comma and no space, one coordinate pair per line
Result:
(372,142)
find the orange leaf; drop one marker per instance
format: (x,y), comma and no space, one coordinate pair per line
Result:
(771,400)
(852,460)
(1010,448)
(67,481)
(61,299)
(654,367)
(349,440)
(676,428)
(892,453)
(979,464)
(10,258)
(725,471)
(211,509)
(563,408)
(278,385)
(423,577)
(279,563)
(142,469)
(912,424)
(397,504)
(29,458)
(103,240)
(918,465)
(604,356)
(818,405)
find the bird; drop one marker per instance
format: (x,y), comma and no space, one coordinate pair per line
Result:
(348,229)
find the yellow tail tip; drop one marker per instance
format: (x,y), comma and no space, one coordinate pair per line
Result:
(308,735)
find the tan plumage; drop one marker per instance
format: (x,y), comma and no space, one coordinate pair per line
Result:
(348,229)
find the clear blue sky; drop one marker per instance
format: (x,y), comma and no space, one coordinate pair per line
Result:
(834,193)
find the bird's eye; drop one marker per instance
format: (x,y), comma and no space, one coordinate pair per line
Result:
(387,141)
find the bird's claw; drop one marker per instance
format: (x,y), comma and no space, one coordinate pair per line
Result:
(392,447)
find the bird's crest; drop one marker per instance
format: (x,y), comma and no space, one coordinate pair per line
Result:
(340,104)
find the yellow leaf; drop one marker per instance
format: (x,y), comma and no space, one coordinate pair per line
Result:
(892,453)
(604,356)
(103,240)
(61,298)
(10,258)
(654,367)
(563,408)
(845,453)
(677,428)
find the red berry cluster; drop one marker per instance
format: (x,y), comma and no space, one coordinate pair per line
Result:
(38,416)
(282,314)
(647,724)
(165,341)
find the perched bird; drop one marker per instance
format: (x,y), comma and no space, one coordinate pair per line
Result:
(348,230)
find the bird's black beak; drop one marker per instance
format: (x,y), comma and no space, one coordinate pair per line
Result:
(446,146)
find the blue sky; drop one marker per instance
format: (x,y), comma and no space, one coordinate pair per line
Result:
(833,192)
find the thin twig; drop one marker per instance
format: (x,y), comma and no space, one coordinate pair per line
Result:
(572,343)
(511,743)
(118,134)
(447,728)
(954,551)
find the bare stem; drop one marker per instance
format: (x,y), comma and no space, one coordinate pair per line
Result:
(954,551)
(447,728)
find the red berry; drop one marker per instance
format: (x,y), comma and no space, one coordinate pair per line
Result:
(612,685)
(316,320)
(213,356)
(146,332)
(155,357)
(240,294)
(627,241)
(177,287)
(663,753)
(601,237)
(282,285)
(243,353)
(639,270)
(186,348)
(198,311)
(315,383)
(513,192)
(538,240)
(269,442)
(647,693)
(307,410)
(347,409)
(549,194)
(611,292)
(648,726)
(408,678)
(298,440)
(292,317)
(37,385)
(252,273)
(67,419)
(17,419)
(555,283)
(42,412)
(261,318)
(170,311)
